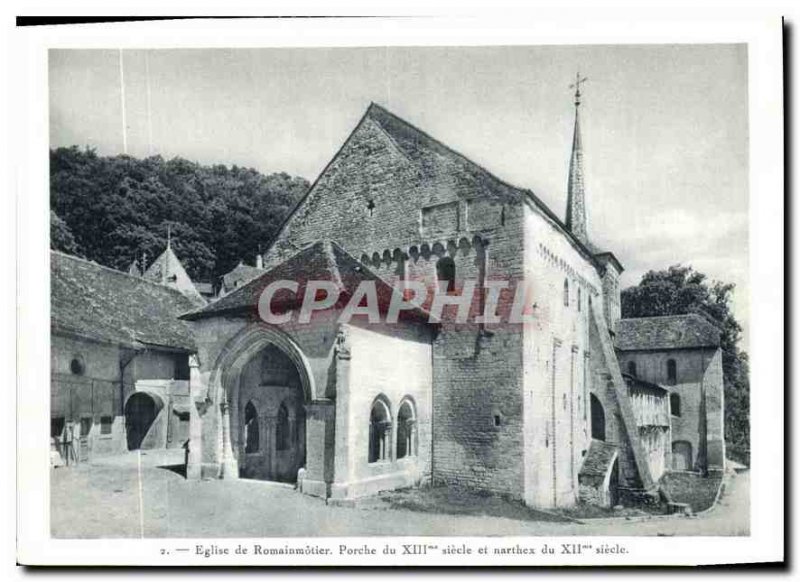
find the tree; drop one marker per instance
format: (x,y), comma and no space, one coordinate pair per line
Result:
(681,290)
(118,207)
(61,238)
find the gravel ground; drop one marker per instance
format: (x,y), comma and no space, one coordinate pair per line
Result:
(120,500)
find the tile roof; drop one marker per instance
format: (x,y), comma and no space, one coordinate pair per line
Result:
(666,332)
(321,261)
(93,301)
(240,275)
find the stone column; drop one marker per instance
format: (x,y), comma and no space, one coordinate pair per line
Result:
(320,434)
(229,466)
(194,457)
(342,436)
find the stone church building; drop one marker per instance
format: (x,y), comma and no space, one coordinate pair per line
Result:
(540,410)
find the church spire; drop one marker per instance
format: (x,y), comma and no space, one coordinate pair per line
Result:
(576,198)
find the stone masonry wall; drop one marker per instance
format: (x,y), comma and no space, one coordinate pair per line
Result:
(557,367)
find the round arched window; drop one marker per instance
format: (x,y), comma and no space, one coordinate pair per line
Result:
(77,366)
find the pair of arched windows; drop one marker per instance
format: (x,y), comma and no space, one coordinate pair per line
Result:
(283,435)
(380,431)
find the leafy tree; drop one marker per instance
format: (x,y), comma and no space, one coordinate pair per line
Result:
(61,238)
(117,208)
(681,290)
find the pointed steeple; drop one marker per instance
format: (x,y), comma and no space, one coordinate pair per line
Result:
(576,197)
(168,270)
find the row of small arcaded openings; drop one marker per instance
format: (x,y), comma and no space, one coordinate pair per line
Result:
(425,250)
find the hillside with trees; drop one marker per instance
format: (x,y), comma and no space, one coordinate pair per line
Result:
(680,290)
(112,209)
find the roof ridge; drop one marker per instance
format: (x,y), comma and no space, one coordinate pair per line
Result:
(118,272)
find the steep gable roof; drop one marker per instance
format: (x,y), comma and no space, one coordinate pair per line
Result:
(446,168)
(93,301)
(666,332)
(321,261)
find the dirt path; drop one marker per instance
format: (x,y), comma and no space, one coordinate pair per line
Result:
(110,500)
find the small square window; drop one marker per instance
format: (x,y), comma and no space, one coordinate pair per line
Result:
(106,422)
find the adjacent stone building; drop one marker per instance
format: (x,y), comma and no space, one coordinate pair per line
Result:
(119,360)
(681,353)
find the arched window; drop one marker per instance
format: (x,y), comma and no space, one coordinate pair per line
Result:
(675,404)
(282,434)
(672,371)
(632,368)
(380,429)
(250,429)
(598,419)
(446,274)
(406,431)
(566,292)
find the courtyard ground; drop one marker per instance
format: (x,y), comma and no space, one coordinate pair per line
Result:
(147,496)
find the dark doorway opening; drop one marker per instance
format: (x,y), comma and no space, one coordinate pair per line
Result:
(613,484)
(598,419)
(141,411)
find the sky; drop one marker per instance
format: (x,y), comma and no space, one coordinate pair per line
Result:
(664,127)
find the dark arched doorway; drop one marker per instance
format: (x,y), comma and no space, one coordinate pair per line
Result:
(141,412)
(272,417)
(598,419)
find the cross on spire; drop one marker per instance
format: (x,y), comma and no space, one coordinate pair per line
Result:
(577,85)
